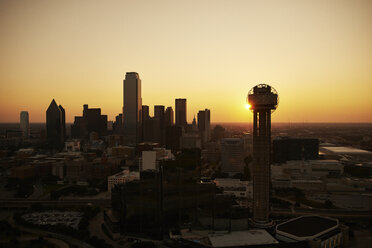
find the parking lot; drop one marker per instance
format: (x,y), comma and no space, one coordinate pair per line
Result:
(71,219)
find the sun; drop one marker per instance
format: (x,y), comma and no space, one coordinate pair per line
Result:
(247,106)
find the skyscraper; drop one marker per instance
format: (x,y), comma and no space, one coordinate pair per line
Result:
(168,117)
(204,125)
(181,119)
(24,124)
(55,126)
(145,112)
(63,121)
(132,109)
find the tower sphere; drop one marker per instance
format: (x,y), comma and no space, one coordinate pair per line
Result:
(263,96)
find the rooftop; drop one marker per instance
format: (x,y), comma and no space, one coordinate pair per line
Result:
(242,238)
(345,150)
(306,226)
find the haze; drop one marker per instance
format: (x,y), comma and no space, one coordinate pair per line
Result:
(316,54)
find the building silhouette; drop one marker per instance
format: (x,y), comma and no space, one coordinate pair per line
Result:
(173,137)
(287,148)
(159,112)
(63,121)
(263,100)
(181,118)
(204,125)
(118,124)
(55,125)
(91,121)
(145,112)
(24,124)
(152,130)
(168,117)
(132,109)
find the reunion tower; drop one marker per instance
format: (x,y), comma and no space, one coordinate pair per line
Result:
(263,100)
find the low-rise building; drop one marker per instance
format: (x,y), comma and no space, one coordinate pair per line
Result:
(121,178)
(319,232)
(150,159)
(241,190)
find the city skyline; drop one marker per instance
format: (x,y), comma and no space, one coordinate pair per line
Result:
(317,55)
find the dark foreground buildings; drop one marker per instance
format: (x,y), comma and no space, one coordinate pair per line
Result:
(163,198)
(286,148)
(55,125)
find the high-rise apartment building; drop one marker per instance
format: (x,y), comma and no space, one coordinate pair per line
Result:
(132,109)
(204,125)
(55,124)
(181,119)
(24,124)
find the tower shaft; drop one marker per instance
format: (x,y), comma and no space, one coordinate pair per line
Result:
(261,165)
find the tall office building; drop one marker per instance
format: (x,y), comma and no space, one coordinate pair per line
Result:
(55,126)
(24,124)
(159,114)
(145,112)
(168,117)
(204,125)
(118,124)
(159,111)
(63,120)
(132,109)
(181,119)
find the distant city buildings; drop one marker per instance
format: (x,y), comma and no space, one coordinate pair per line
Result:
(55,125)
(204,125)
(168,117)
(181,114)
(24,124)
(132,109)
(91,121)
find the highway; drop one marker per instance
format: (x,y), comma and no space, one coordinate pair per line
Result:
(324,212)
(24,203)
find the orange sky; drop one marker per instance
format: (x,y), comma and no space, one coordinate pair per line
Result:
(317,54)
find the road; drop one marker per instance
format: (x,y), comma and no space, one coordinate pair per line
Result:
(14,202)
(329,213)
